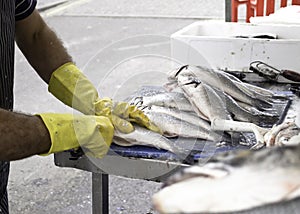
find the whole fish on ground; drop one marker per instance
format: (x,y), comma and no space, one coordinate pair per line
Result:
(252,182)
(221,81)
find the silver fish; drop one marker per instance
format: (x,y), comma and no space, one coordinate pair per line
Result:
(265,181)
(222,82)
(260,90)
(173,127)
(146,91)
(255,111)
(189,117)
(249,88)
(252,91)
(169,99)
(288,136)
(143,136)
(204,99)
(241,114)
(281,134)
(257,91)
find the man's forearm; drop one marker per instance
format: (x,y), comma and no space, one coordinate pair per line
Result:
(40,45)
(22,136)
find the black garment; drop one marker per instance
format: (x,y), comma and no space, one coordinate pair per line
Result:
(10,10)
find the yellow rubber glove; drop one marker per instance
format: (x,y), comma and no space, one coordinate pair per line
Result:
(121,114)
(92,133)
(73,88)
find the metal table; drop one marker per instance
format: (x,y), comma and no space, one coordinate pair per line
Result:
(138,162)
(139,168)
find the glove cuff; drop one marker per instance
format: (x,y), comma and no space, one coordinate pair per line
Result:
(61,132)
(93,133)
(72,87)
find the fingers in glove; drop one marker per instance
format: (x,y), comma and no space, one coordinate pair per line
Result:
(103,106)
(122,125)
(122,109)
(140,118)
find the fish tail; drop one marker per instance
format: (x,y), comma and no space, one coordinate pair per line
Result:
(263,120)
(280,97)
(262,104)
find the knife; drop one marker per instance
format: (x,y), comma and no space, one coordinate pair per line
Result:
(273,74)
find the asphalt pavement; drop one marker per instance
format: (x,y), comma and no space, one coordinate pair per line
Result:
(116,43)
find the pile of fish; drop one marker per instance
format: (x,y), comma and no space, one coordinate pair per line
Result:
(195,96)
(217,94)
(252,182)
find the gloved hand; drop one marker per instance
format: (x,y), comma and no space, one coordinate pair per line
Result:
(92,133)
(72,87)
(121,114)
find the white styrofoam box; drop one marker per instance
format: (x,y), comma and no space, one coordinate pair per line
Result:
(284,15)
(214,44)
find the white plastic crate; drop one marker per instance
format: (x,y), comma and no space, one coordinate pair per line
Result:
(215,44)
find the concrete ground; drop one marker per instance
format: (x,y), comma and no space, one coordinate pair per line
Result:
(116,43)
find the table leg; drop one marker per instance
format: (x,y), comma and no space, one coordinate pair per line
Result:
(100,201)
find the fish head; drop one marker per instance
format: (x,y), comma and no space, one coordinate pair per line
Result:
(288,136)
(174,73)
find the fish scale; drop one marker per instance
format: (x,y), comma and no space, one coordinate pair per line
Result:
(174,127)
(168,99)
(204,98)
(143,136)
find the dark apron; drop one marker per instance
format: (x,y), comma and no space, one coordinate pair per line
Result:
(7,34)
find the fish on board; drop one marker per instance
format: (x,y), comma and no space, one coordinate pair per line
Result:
(221,81)
(241,114)
(286,133)
(167,99)
(205,100)
(188,116)
(255,111)
(256,91)
(174,127)
(145,137)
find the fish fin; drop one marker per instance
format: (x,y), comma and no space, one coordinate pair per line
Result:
(262,104)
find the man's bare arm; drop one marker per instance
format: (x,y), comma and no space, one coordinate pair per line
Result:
(22,136)
(40,45)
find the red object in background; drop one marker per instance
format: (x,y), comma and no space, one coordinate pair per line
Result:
(256,7)
(234,9)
